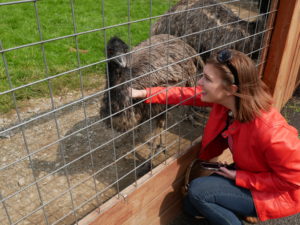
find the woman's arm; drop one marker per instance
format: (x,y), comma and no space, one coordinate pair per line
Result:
(171,95)
(134,93)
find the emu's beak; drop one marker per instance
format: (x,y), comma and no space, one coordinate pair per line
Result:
(121,61)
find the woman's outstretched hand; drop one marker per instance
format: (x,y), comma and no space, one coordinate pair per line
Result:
(230,174)
(134,93)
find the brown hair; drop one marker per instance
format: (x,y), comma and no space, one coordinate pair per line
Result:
(253,95)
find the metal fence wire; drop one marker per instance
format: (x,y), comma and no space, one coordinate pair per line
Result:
(70,136)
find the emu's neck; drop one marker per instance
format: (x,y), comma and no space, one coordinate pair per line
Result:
(115,72)
(118,76)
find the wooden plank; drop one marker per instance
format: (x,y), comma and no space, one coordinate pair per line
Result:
(120,211)
(154,212)
(157,200)
(279,35)
(283,58)
(298,79)
(268,35)
(168,204)
(173,211)
(290,62)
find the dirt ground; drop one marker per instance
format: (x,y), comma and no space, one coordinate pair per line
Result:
(60,167)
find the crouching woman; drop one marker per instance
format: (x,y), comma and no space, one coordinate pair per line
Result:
(265,182)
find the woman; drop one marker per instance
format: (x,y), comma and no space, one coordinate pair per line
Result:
(265,149)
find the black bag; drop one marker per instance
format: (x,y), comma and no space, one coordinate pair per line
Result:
(194,170)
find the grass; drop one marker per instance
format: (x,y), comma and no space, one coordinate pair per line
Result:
(26,65)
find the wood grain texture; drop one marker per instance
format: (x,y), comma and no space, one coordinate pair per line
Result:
(157,200)
(151,200)
(283,59)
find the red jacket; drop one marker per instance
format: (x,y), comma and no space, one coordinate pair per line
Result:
(266,151)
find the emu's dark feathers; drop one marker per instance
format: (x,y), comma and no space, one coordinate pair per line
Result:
(154,62)
(213,24)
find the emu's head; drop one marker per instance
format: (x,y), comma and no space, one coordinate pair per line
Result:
(116,47)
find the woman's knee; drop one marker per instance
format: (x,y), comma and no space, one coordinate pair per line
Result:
(198,188)
(202,187)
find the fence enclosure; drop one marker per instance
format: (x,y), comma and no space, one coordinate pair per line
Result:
(61,161)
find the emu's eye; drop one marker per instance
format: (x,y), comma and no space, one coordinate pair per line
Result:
(110,51)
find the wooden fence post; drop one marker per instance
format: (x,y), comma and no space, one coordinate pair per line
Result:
(283,59)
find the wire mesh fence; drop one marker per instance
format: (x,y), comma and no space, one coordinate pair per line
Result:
(71,138)
(291,110)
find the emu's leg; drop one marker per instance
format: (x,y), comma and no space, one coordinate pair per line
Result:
(197,115)
(156,145)
(160,147)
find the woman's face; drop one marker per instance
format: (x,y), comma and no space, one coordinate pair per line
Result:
(213,86)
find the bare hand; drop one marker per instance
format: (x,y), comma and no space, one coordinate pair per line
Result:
(134,93)
(231,174)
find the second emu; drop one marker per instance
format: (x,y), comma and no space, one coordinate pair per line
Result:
(208,24)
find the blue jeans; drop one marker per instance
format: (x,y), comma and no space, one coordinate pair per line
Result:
(219,200)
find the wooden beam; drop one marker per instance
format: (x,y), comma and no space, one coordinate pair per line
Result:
(157,198)
(298,79)
(268,35)
(283,58)
(155,211)
(291,62)
(150,202)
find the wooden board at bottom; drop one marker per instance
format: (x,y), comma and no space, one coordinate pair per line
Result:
(156,199)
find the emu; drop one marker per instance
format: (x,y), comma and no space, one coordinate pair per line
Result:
(211,25)
(142,68)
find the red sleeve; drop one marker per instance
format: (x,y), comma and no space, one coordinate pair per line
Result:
(283,156)
(175,95)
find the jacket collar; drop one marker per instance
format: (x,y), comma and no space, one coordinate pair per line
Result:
(215,124)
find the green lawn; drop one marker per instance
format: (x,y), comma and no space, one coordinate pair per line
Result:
(25,65)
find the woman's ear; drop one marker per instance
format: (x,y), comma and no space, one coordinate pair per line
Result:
(232,89)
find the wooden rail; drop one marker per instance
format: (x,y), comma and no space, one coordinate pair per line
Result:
(156,200)
(283,60)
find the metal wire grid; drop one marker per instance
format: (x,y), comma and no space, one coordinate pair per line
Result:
(20,126)
(291,110)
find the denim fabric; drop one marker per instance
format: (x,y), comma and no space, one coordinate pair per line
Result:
(219,200)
